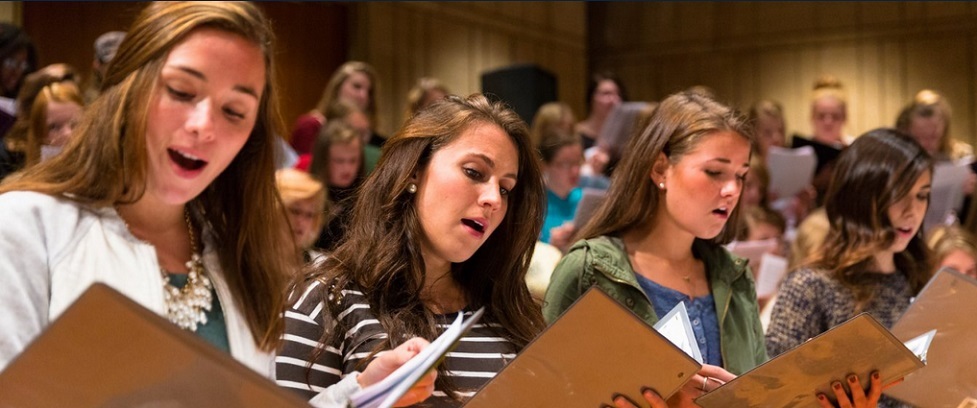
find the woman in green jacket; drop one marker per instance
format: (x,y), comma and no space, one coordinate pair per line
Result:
(656,240)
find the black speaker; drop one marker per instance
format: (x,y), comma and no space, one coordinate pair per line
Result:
(524,87)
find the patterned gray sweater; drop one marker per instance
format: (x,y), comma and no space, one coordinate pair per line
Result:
(810,302)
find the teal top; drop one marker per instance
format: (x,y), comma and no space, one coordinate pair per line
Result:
(559,210)
(215,330)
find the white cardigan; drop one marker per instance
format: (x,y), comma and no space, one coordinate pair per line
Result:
(52,249)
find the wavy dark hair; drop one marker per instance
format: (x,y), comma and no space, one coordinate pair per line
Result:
(105,163)
(871,175)
(676,127)
(381,252)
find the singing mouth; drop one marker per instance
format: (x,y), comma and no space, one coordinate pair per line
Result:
(475,225)
(185,160)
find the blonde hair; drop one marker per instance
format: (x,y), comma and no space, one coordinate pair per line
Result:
(829,86)
(37,130)
(547,118)
(296,185)
(16,138)
(417,94)
(927,103)
(943,240)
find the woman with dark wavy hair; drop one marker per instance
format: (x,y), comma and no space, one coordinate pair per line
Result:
(447,222)
(874,258)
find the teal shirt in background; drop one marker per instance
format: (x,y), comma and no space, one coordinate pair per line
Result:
(559,211)
(215,330)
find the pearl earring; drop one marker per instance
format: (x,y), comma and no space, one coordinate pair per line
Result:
(661,186)
(412,188)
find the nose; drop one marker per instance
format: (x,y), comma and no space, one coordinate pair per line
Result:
(490,197)
(200,121)
(732,188)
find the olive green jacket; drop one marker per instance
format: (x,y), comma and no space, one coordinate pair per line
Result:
(603,262)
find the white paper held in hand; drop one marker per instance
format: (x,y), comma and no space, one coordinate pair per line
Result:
(677,328)
(386,392)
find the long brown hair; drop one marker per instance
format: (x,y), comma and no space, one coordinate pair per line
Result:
(106,164)
(676,127)
(872,174)
(382,251)
(331,92)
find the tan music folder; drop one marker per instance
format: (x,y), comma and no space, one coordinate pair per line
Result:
(948,303)
(595,349)
(105,350)
(793,379)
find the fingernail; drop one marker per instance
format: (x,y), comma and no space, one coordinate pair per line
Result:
(821,397)
(616,396)
(875,375)
(836,385)
(647,389)
(852,378)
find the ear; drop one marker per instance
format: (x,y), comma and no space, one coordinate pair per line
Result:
(659,169)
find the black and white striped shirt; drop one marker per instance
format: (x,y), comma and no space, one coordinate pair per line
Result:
(478,357)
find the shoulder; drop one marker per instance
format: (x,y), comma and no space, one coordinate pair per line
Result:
(603,250)
(54,217)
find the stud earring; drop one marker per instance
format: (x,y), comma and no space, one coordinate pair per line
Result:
(661,186)
(412,188)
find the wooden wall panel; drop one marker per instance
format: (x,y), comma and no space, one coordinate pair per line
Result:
(457,42)
(882,52)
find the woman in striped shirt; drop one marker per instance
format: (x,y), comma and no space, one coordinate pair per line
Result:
(445,224)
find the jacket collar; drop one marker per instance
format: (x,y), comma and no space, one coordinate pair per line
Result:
(611,258)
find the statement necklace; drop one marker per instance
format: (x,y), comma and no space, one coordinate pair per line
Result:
(187,306)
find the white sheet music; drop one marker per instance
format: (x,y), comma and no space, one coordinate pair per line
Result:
(677,328)
(791,170)
(946,195)
(772,271)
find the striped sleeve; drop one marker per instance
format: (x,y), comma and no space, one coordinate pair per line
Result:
(306,321)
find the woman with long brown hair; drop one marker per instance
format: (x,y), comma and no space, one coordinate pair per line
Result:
(446,223)
(354,82)
(874,258)
(167,192)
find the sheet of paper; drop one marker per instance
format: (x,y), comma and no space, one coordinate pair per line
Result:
(591,199)
(946,195)
(753,250)
(677,328)
(920,345)
(772,271)
(386,392)
(791,170)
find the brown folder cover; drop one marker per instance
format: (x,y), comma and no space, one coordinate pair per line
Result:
(858,346)
(595,349)
(108,351)
(947,304)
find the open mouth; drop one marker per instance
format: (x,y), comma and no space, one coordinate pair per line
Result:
(721,211)
(475,225)
(185,160)
(904,230)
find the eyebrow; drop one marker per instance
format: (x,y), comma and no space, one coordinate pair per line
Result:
(728,161)
(491,163)
(199,75)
